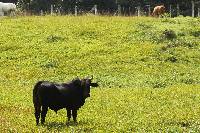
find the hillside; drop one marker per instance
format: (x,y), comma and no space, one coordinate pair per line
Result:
(133,59)
(128,52)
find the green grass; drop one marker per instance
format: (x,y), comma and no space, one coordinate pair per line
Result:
(148,70)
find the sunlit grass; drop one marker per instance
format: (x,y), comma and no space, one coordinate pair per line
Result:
(147,68)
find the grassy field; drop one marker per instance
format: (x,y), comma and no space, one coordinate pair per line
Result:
(148,70)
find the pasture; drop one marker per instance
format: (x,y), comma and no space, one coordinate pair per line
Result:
(148,70)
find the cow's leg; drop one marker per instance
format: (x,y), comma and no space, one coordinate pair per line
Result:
(74,114)
(43,114)
(37,113)
(69,114)
(1,13)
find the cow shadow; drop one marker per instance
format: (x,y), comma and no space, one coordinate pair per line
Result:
(55,125)
(59,126)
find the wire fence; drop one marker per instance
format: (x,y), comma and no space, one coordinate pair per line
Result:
(172,10)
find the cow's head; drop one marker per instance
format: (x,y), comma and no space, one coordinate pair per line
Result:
(85,84)
(162,8)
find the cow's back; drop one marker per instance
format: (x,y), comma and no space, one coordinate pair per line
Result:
(48,93)
(57,96)
(9,6)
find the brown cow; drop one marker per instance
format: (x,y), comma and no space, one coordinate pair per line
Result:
(158,10)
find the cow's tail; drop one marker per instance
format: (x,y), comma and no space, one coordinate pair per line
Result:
(36,101)
(35,92)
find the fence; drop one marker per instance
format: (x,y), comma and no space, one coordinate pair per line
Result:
(130,10)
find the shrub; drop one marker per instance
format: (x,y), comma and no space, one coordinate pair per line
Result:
(169,34)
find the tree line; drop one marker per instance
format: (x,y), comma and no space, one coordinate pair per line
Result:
(104,6)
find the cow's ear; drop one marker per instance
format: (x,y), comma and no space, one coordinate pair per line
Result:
(83,82)
(94,84)
(77,82)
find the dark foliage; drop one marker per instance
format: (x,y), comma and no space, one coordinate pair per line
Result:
(169,34)
(104,6)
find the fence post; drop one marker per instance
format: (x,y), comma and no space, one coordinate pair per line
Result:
(192,8)
(41,13)
(122,11)
(198,12)
(178,9)
(95,10)
(170,11)
(138,11)
(76,12)
(51,9)
(149,10)
(58,9)
(129,11)
(119,10)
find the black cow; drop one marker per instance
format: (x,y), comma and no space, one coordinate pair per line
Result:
(56,96)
